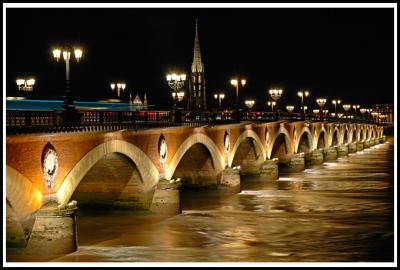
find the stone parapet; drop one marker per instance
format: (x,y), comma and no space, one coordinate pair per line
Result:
(269,169)
(342,150)
(230,180)
(166,198)
(54,231)
(315,157)
(330,153)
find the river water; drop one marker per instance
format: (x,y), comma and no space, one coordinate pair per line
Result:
(341,211)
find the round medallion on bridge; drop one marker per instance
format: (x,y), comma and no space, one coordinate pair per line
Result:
(49,165)
(162,150)
(227,143)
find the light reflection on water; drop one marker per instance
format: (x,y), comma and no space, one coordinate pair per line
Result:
(338,211)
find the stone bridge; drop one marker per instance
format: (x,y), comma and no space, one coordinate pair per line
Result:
(47,173)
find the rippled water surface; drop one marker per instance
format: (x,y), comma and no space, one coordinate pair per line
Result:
(338,211)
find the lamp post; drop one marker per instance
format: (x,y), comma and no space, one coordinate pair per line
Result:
(235,82)
(321,102)
(176,82)
(271,104)
(346,108)
(69,114)
(120,86)
(355,107)
(66,55)
(275,94)
(336,102)
(219,97)
(177,97)
(290,108)
(302,94)
(25,84)
(249,104)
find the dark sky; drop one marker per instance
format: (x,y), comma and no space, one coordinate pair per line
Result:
(345,53)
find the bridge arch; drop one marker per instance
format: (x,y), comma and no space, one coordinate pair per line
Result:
(304,142)
(335,137)
(321,141)
(345,139)
(284,134)
(198,138)
(147,170)
(23,196)
(361,136)
(354,135)
(243,137)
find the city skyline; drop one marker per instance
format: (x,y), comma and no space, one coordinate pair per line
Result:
(347,59)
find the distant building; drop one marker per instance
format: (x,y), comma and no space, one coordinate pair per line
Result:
(197,82)
(383,113)
(137,102)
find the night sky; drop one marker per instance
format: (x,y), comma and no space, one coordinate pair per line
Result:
(345,53)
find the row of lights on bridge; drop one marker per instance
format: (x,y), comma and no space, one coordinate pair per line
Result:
(176,83)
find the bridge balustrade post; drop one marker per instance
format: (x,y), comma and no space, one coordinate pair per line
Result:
(28,121)
(166,198)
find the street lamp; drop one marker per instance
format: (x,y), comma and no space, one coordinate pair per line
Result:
(235,82)
(219,97)
(271,104)
(275,94)
(346,108)
(321,102)
(25,85)
(176,82)
(336,102)
(355,107)
(178,96)
(302,94)
(290,108)
(118,86)
(66,55)
(249,104)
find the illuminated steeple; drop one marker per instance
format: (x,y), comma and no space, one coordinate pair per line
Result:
(197,83)
(197,65)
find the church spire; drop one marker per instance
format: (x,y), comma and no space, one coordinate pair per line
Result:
(197,65)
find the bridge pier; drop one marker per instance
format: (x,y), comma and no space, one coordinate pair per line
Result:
(269,169)
(330,153)
(54,231)
(295,164)
(342,150)
(315,157)
(360,146)
(382,139)
(230,180)
(250,167)
(166,198)
(352,147)
(376,141)
(366,144)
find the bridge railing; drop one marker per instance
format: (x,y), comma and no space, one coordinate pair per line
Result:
(48,121)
